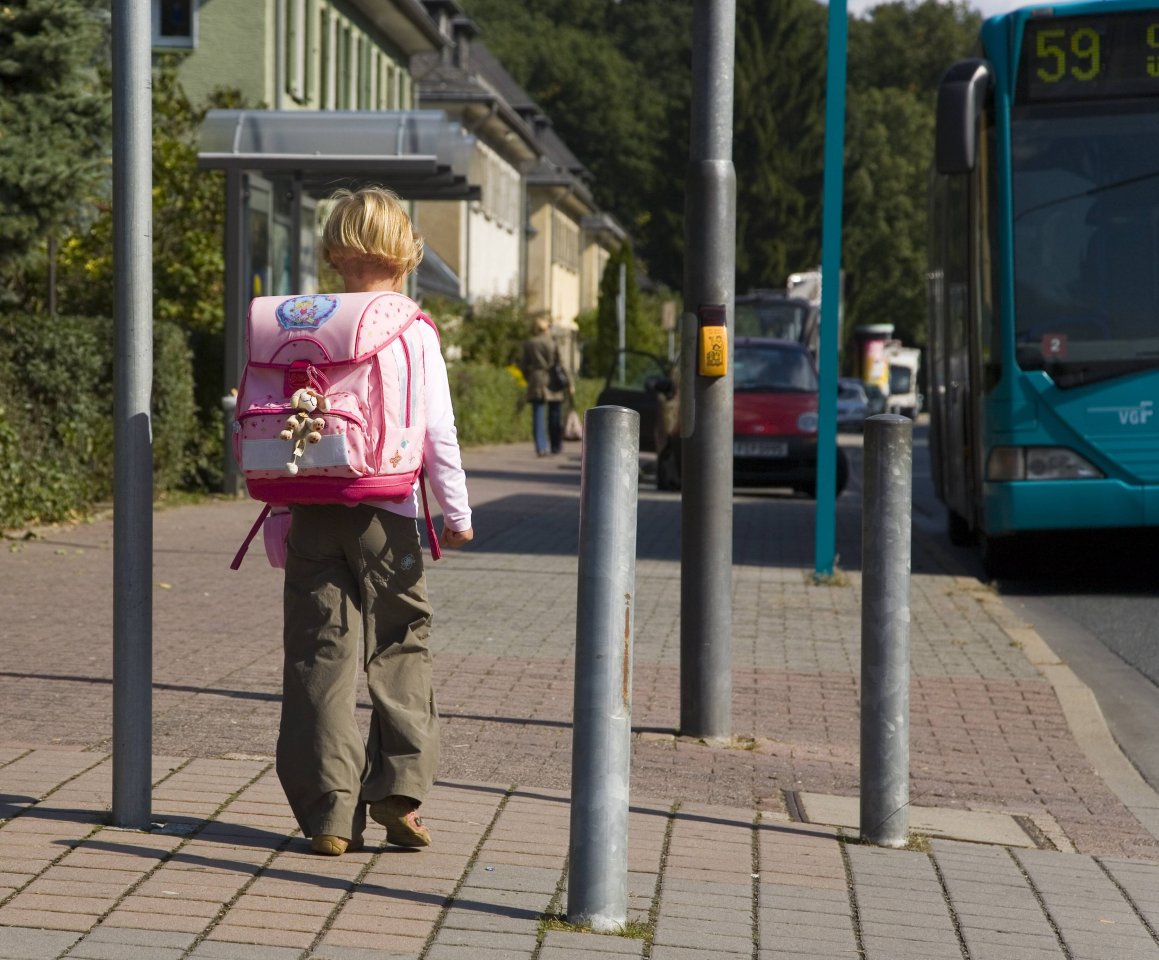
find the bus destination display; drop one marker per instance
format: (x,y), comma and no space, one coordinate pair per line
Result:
(1079,58)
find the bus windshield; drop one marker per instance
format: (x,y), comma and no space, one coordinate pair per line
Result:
(780,319)
(761,367)
(1086,239)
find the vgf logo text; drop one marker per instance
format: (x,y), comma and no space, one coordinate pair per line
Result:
(1129,416)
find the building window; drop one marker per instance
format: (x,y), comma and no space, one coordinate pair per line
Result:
(347,67)
(329,71)
(391,87)
(300,18)
(350,76)
(564,242)
(174,23)
(365,89)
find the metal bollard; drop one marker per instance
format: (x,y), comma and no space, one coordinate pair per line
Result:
(885,640)
(597,888)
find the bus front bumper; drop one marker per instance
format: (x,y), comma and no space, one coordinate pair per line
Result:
(1026,505)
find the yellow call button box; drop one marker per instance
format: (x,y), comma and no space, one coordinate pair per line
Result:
(713,357)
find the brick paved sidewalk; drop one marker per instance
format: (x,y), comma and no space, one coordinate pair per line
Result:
(720,867)
(223,876)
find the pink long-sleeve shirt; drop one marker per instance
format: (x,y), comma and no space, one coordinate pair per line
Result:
(441,458)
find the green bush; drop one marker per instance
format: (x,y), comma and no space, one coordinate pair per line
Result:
(492,332)
(177,434)
(56,423)
(489,404)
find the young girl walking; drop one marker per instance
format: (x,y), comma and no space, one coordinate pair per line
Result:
(355,595)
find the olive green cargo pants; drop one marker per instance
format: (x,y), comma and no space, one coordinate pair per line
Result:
(355,596)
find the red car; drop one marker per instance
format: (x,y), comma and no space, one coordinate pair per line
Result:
(775,404)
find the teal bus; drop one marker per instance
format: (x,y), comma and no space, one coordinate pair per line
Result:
(1044,277)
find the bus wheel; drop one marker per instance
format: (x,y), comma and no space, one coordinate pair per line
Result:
(1001,556)
(959,530)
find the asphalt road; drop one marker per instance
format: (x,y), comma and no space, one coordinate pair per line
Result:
(1093,597)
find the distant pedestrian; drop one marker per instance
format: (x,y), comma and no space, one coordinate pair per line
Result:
(355,596)
(547,385)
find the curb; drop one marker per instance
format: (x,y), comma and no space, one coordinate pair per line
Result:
(1080,707)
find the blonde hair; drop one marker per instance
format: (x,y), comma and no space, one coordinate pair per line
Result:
(541,324)
(369,227)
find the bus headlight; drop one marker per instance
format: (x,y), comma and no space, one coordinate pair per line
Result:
(1038,463)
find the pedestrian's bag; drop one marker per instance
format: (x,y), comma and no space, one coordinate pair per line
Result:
(332,405)
(573,427)
(557,378)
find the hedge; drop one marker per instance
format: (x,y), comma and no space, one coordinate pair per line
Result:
(56,415)
(490,404)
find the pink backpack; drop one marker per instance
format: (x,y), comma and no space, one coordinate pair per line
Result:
(332,402)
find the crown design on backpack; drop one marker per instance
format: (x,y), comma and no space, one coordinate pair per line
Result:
(306,313)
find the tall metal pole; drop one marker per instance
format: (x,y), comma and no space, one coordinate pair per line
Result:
(885,640)
(597,889)
(706,411)
(832,183)
(235,311)
(133,432)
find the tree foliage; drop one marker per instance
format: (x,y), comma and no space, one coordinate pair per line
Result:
(897,55)
(778,139)
(641,316)
(885,210)
(613,79)
(54,125)
(188,223)
(606,70)
(188,251)
(909,45)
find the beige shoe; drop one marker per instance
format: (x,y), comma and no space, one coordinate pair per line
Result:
(400,816)
(330,846)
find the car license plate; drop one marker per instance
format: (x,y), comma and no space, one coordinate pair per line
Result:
(760,448)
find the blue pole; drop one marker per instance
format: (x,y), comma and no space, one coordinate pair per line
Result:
(825,531)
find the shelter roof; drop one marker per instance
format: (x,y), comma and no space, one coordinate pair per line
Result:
(420,154)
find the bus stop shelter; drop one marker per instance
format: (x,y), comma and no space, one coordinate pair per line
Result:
(279,164)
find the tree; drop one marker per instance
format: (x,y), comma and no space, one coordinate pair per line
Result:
(909,45)
(613,79)
(188,247)
(891,140)
(778,139)
(188,223)
(54,126)
(641,330)
(890,146)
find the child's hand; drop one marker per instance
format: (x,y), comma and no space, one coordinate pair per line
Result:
(456,538)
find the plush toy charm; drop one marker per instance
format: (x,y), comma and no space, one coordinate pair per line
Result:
(303,427)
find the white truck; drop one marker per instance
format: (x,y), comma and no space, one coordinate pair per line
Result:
(904,363)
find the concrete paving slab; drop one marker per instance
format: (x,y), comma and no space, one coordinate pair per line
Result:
(975,826)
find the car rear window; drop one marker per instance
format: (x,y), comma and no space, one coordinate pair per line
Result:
(772,367)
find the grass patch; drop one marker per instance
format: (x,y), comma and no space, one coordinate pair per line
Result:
(914,842)
(838,578)
(633,929)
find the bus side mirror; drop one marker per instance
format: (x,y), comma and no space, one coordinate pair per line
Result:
(960,97)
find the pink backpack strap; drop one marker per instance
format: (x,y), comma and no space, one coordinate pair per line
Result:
(436,550)
(240,555)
